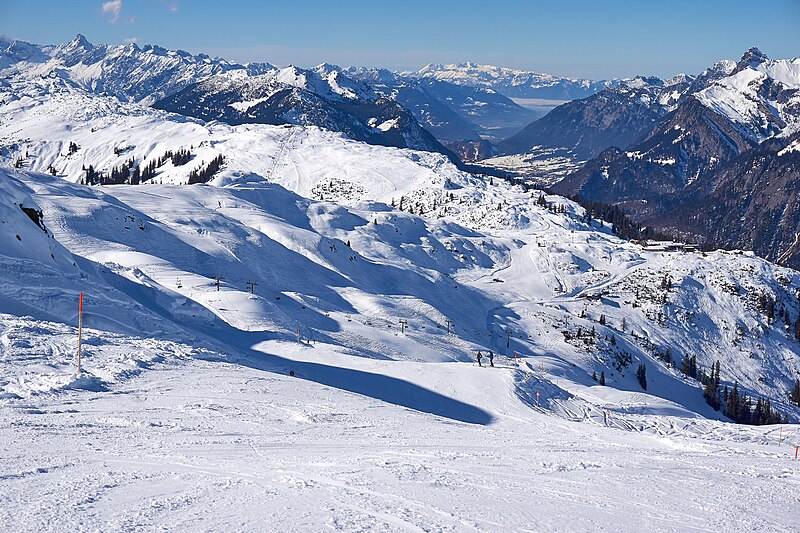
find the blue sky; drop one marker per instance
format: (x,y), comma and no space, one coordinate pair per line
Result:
(595,39)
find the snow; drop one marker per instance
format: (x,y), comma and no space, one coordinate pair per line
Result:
(741,97)
(387,125)
(794,146)
(209,443)
(187,417)
(247,104)
(786,71)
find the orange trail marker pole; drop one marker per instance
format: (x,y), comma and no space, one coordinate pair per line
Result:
(796,449)
(80,328)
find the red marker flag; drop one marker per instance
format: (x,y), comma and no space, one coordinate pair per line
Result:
(80,305)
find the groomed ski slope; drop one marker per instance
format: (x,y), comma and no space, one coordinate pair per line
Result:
(229,443)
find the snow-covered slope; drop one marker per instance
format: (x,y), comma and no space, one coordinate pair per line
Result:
(761,96)
(451,225)
(373,275)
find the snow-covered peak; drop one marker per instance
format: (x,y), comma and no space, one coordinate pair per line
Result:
(323,69)
(678,79)
(372,74)
(759,95)
(785,71)
(751,59)
(13,51)
(642,82)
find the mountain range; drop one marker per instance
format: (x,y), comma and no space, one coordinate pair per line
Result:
(681,174)
(246,294)
(357,102)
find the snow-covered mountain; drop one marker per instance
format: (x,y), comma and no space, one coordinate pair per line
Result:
(453,233)
(760,96)
(258,92)
(616,116)
(327,99)
(293,342)
(451,111)
(512,82)
(613,117)
(129,72)
(703,144)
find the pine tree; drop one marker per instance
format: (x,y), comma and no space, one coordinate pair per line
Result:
(641,375)
(594,375)
(796,392)
(602,379)
(732,407)
(711,391)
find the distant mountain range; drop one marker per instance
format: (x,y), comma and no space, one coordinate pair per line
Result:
(465,106)
(513,83)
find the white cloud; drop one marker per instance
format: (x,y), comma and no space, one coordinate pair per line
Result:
(129,40)
(112,8)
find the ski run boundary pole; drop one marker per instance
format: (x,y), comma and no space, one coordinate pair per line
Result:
(80,329)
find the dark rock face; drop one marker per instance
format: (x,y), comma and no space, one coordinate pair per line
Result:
(754,204)
(471,151)
(652,176)
(613,117)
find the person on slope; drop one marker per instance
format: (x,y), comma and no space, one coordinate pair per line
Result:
(479,358)
(491,358)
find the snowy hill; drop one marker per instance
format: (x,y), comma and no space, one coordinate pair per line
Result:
(554,267)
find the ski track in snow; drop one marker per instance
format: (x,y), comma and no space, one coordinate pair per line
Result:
(215,445)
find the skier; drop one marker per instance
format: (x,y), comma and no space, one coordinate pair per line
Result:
(491,358)
(479,358)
